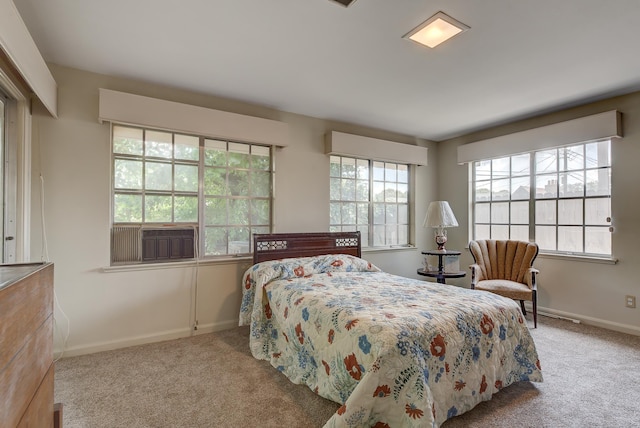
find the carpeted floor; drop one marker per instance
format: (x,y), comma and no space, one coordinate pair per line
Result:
(591,379)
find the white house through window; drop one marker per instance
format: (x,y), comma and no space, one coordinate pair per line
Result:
(558,197)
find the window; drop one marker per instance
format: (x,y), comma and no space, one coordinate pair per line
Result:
(9,170)
(162,179)
(558,197)
(372,197)
(3,132)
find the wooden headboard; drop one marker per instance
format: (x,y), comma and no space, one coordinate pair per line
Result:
(273,246)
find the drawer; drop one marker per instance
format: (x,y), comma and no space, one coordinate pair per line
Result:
(39,414)
(24,305)
(24,374)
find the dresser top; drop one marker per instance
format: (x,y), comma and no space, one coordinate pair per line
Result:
(14,272)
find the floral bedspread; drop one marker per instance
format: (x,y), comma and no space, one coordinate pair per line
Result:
(394,351)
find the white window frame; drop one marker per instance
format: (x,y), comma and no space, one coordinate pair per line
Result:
(199,224)
(16,174)
(396,233)
(495,227)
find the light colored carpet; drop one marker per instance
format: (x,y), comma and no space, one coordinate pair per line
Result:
(591,379)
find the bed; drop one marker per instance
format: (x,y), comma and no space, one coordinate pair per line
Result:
(393,351)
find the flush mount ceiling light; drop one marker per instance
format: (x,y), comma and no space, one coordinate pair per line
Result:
(345,3)
(435,30)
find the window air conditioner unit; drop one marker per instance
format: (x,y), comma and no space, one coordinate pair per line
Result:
(143,244)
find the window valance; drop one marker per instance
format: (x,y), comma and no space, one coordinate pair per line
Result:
(589,128)
(20,49)
(340,143)
(130,109)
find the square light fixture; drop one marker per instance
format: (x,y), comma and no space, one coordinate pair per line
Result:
(345,3)
(435,30)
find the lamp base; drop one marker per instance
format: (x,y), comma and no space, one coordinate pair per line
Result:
(441,239)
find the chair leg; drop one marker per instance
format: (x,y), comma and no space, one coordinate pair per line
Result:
(535,309)
(524,311)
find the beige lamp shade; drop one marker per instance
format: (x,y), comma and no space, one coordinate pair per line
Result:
(440,216)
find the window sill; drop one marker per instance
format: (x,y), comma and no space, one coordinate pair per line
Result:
(577,258)
(221,261)
(388,249)
(175,265)
(574,258)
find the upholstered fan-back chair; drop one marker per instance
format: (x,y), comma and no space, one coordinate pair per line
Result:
(505,267)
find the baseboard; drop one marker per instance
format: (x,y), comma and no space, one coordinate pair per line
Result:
(218,326)
(141,340)
(226,325)
(610,325)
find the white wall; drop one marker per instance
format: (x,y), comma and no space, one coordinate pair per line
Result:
(587,291)
(113,309)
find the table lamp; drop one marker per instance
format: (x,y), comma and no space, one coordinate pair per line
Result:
(440,216)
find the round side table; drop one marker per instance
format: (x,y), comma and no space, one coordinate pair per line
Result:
(440,274)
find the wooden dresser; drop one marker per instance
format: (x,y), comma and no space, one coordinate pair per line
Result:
(26,345)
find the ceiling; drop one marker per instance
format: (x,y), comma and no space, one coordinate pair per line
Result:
(318,58)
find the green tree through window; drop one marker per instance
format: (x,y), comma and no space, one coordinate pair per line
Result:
(222,188)
(372,197)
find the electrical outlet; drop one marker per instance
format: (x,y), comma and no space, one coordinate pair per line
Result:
(630,301)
